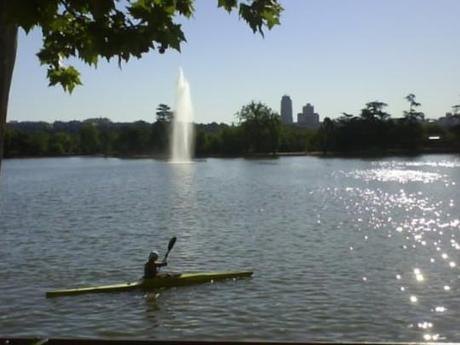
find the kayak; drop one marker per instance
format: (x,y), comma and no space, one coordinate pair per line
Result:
(160,281)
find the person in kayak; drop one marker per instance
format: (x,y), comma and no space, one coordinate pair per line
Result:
(151,266)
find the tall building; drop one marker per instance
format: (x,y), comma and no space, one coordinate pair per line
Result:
(308,118)
(286,110)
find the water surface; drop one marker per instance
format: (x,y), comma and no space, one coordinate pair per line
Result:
(342,249)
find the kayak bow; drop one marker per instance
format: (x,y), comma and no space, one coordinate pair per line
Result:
(160,281)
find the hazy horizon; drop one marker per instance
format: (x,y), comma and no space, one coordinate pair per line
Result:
(335,55)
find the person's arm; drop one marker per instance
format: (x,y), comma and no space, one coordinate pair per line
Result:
(162,264)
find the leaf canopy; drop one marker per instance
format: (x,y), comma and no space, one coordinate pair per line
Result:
(120,29)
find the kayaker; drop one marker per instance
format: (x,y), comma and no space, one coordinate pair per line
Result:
(151,266)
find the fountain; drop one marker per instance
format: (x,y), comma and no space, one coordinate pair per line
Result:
(182,130)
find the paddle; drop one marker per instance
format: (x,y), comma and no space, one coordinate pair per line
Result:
(171,243)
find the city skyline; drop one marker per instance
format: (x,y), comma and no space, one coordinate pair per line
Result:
(342,57)
(307,118)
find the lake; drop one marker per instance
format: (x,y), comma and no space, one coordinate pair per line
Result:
(342,249)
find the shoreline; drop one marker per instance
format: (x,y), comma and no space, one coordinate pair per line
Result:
(318,154)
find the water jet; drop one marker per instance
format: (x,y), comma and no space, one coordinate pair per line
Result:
(182,129)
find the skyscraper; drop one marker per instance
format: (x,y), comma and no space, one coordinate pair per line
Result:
(286,110)
(308,118)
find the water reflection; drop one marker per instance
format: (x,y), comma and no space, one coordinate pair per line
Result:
(397,175)
(440,309)
(183,204)
(418,275)
(451,163)
(431,337)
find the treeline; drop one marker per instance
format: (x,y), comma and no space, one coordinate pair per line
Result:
(258,130)
(90,137)
(374,131)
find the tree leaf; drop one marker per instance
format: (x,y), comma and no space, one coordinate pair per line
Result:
(228,5)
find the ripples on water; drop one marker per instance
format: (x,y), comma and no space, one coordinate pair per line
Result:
(424,226)
(343,250)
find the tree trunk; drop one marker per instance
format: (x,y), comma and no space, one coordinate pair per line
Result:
(8,44)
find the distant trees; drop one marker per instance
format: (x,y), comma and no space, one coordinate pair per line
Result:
(219,139)
(374,111)
(134,139)
(261,127)
(373,131)
(164,113)
(454,132)
(161,128)
(40,142)
(235,140)
(296,139)
(410,131)
(456,109)
(89,139)
(258,131)
(412,115)
(375,126)
(59,144)
(325,139)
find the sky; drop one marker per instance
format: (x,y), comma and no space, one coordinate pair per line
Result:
(335,54)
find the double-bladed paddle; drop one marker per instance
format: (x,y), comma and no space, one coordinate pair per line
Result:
(171,243)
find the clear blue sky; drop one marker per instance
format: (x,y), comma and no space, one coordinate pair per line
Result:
(335,54)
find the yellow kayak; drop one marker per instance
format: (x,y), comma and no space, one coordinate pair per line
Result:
(160,281)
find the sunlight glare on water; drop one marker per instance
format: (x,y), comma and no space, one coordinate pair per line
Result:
(423,224)
(397,175)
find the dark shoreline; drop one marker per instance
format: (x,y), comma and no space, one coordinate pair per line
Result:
(318,154)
